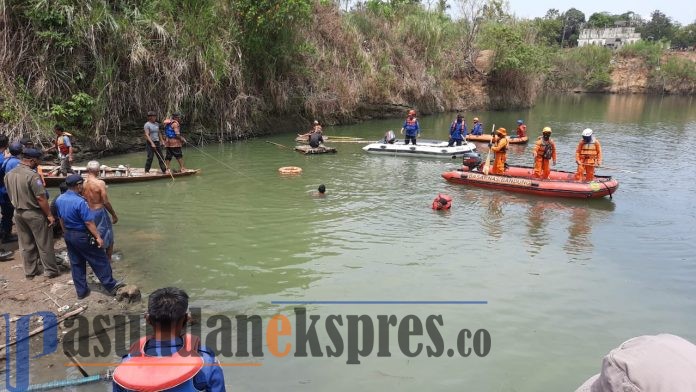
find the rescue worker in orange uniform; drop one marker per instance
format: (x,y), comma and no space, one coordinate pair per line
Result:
(544,152)
(521,129)
(588,155)
(185,365)
(499,146)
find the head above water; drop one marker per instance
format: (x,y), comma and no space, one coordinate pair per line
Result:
(501,132)
(151,115)
(411,113)
(520,122)
(476,119)
(322,188)
(176,115)
(4,140)
(58,129)
(167,308)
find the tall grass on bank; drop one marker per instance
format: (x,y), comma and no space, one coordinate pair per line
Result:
(648,51)
(677,75)
(587,67)
(131,57)
(519,64)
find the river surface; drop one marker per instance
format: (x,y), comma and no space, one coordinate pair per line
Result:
(565,281)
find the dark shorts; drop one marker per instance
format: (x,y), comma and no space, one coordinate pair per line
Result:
(173,152)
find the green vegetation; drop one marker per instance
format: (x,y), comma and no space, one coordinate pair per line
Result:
(648,51)
(587,67)
(679,72)
(233,67)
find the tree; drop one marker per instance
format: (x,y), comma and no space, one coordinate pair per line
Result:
(685,37)
(573,19)
(552,13)
(660,27)
(442,6)
(549,31)
(601,20)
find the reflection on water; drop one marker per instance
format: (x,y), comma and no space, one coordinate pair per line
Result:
(554,271)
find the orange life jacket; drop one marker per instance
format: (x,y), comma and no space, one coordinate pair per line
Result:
(147,373)
(589,150)
(60,142)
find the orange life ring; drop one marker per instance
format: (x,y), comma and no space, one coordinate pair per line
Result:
(290,170)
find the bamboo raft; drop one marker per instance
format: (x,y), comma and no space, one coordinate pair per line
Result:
(307,150)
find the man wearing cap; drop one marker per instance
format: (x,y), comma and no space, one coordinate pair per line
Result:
(544,152)
(174,142)
(499,146)
(85,244)
(477,128)
(152,142)
(32,216)
(9,163)
(95,193)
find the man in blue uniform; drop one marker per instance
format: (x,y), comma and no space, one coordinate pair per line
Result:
(167,313)
(457,131)
(8,163)
(477,129)
(82,238)
(411,127)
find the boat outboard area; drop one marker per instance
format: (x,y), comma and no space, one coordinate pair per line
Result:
(424,148)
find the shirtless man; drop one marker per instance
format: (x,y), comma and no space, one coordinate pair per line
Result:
(94,192)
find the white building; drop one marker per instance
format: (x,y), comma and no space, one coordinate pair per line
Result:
(614,37)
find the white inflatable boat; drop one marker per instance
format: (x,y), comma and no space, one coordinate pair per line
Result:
(424,148)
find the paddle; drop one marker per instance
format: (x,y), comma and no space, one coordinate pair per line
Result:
(160,157)
(487,165)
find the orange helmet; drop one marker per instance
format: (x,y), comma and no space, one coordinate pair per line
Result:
(411,112)
(502,132)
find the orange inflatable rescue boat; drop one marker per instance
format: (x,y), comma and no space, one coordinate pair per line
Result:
(520,179)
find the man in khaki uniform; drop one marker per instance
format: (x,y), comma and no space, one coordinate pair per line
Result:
(32,217)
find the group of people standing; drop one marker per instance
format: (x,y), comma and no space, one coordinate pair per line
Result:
(458,130)
(171,139)
(588,154)
(83,212)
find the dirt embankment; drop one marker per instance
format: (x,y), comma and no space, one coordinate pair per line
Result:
(633,75)
(20,296)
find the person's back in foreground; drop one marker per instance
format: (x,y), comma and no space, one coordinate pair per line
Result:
(192,367)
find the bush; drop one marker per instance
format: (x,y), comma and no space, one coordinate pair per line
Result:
(678,70)
(649,51)
(587,67)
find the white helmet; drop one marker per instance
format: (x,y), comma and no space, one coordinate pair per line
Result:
(587,132)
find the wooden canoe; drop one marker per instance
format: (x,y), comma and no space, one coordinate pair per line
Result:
(307,150)
(487,138)
(112,175)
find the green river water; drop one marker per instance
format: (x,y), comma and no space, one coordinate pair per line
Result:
(565,280)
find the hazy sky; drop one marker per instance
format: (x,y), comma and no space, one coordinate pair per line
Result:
(682,11)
